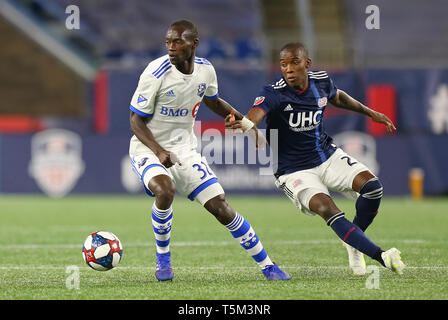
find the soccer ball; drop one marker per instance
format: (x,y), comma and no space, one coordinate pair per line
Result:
(102,250)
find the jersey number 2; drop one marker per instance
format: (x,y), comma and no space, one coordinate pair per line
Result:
(349,161)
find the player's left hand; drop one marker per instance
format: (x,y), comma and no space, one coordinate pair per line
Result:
(382,118)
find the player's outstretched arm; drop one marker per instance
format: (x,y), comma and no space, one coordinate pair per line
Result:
(144,134)
(231,115)
(221,107)
(255,115)
(252,119)
(345,101)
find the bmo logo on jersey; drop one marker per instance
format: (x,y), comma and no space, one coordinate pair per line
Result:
(304,121)
(169,112)
(179,112)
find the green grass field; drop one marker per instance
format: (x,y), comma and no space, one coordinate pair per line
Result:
(41,237)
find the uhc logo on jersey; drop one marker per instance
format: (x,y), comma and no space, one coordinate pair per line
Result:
(304,121)
(258,100)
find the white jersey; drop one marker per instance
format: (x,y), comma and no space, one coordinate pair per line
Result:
(170,100)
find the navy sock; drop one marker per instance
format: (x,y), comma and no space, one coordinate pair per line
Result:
(354,236)
(368,203)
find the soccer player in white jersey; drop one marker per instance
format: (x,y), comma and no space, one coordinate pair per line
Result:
(163,148)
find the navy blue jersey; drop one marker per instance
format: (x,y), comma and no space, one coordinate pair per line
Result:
(297,118)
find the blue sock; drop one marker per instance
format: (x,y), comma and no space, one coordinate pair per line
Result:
(368,203)
(161,224)
(242,231)
(353,235)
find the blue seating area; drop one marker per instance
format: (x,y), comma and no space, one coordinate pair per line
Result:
(412,34)
(136,33)
(409,54)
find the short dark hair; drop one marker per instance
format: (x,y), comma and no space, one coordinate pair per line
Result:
(188,25)
(295,45)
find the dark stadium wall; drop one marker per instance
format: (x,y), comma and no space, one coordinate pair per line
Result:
(34,83)
(100,164)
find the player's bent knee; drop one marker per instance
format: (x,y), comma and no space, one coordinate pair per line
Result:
(162,187)
(372,189)
(326,213)
(216,205)
(219,207)
(323,205)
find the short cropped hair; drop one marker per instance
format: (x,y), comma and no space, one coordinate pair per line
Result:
(295,45)
(188,25)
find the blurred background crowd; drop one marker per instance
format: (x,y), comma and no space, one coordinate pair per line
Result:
(64,112)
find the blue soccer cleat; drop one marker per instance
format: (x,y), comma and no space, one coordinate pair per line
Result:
(273,272)
(163,270)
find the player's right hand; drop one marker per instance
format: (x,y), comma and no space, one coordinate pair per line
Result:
(174,158)
(168,159)
(231,123)
(236,127)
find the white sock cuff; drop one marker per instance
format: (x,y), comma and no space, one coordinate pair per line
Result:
(161,214)
(236,222)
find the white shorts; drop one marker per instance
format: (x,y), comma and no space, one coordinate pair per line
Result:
(193,178)
(335,174)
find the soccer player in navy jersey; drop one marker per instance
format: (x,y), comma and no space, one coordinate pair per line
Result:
(308,163)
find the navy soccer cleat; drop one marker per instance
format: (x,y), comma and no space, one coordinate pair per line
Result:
(163,270)
(273,272)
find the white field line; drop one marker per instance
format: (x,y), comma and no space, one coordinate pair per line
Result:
(291,267)
(193,244)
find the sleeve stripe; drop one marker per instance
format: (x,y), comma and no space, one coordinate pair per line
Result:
(162,71)
(202,61)
(260,109)
(140,113)
(216,96)
(164,63)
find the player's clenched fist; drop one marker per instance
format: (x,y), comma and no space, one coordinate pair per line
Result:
(230,121)
(168,159)
(238,126)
